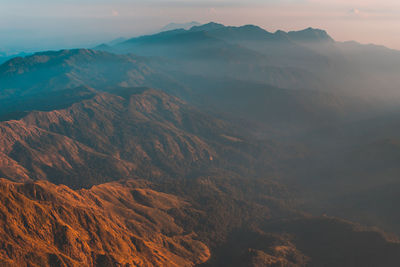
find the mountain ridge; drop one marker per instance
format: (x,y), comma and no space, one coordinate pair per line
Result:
(216,145)
(129,232)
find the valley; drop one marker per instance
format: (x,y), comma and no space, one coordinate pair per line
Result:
(207,146)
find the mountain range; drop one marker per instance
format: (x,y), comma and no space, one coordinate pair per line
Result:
(211,145)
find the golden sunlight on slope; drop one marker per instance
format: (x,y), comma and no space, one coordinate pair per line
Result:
(115,224)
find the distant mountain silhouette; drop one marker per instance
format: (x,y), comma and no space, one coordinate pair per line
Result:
(207,27)
(174,26)
(58,70)
(310,35)
(5,57)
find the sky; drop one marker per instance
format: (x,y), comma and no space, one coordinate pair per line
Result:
(32,25)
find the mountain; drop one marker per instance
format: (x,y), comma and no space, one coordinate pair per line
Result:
(211,146)
(126,128)
(246,51)
(18,107)
(58,70)
(246,32)
(134,131)
(109,225)
(185,45)
(117,41)
(174,26)
(59,73)
(208,27)
(194,52)
(129,222)
(5,57)
(309,56)
(116,139)
(310,35)
(253,32)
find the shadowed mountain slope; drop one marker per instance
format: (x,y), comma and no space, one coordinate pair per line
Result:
(57,70)
(146,132)
(134,132)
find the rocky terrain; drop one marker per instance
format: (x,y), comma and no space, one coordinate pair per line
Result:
(208,146)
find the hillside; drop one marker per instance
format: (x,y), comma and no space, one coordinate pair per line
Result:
(133,132)
(67,69)
(143,132)
(108,225)
(212,146)
(129,223)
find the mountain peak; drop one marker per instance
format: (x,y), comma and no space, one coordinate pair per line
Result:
(310,35)
(254,29)
(174,26)
(208,27)
(251,27)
